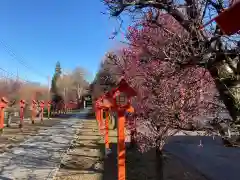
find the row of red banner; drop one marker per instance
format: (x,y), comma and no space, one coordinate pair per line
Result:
(117,100)
(60,108)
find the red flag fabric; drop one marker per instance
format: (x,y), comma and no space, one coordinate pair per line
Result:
(228,19)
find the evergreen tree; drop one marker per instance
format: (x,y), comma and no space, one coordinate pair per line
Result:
(56,97)
(58,69)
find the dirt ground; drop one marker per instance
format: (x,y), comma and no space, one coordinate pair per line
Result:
(85,160)
(142,167)
(174,169)
(12,136)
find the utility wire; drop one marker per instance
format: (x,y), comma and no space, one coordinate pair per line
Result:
(13,75)
(18,58)
(5,77)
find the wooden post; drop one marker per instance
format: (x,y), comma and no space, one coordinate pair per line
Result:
(42,109)
(21,117)
(1,118)
(22,106)
(41,114)
(49,108)
(121,146)
(33,111)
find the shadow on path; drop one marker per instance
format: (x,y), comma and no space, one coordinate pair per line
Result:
(213,159)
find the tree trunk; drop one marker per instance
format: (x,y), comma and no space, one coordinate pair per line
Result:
(228,100)
(159,164)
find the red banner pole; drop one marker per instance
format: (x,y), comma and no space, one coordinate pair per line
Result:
(106,130)
(121,146)
(107,148)
(3,104)
(101,121)
(97,116)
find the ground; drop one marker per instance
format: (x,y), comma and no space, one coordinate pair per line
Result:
(37,155)
(142,166)
(12,136)
(85,160)
(72,148)
(213,159)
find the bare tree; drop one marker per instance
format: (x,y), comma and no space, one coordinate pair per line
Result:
(64,83)
(73,85)
(79,83)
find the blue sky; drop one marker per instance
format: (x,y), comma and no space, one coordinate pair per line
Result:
(42,32)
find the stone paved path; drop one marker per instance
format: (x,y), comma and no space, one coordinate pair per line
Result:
(39,157)
(84,161)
